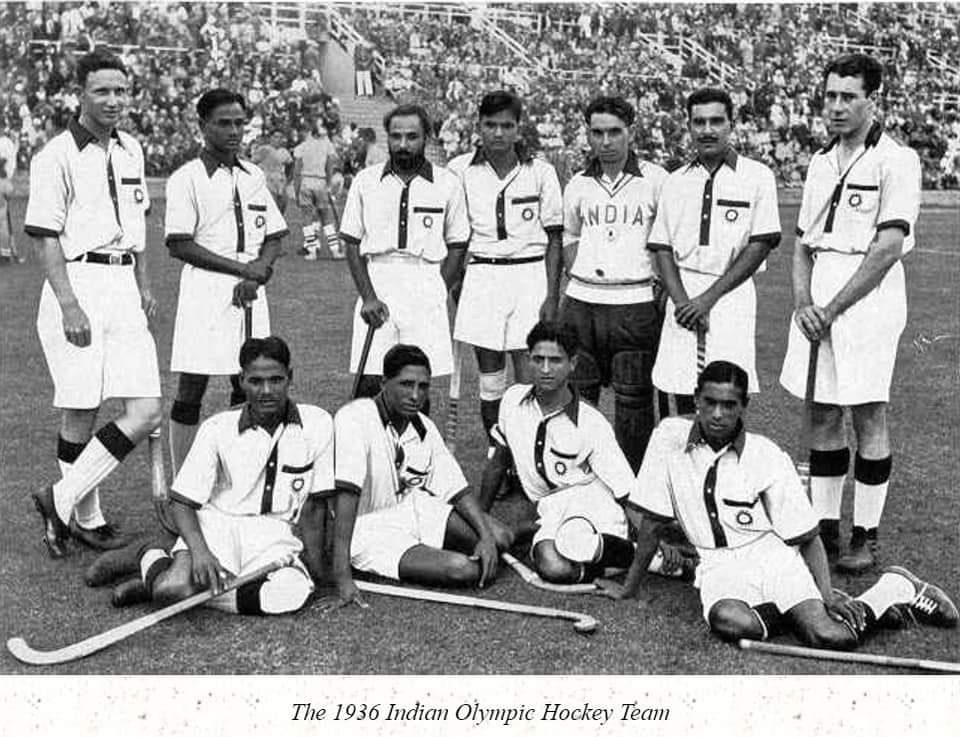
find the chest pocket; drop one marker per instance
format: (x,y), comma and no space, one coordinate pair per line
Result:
(427,220)
(133,189)
(733,212)
(525,209)
(414,465)
(297,479)
(862,199)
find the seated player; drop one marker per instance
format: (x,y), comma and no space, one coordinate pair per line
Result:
(251,473)
(403,508)
(569,464)
(762,568)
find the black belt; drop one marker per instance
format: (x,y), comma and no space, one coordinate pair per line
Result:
(504,261)
(114,259)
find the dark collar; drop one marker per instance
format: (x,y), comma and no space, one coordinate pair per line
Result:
(594,169)
(729,158)
(571,409)
(524,156)
(696,438)
(872,139)
(290,417)
(417,423)
(425,170)
(82,136)
(211,163)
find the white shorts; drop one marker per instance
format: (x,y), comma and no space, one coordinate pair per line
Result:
(500,304)
(121,360)
(730,337)
(767,570)
(592,501)
(209,329)
(381,538)
(855,363)
(416,296)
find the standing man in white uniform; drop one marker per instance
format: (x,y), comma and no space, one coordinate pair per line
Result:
(860,205)
(224,224)
(516,217)
(403,222)
(88,199)
(716,223)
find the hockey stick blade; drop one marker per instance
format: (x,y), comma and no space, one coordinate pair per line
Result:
(533,578)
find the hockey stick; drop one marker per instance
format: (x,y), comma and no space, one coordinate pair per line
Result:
(362,364)
(701,349)
(158,484)
(842,656)
(247,321)
(803,467)
(533,578)
(453,408)
(26,654)
(582,623)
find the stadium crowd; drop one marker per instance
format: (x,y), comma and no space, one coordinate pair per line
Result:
(446,61)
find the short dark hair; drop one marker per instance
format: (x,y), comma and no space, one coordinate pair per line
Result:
(611,106)
(552,331)
(857,65)
(724,372)
(212,99)
(94,62)
(706,95)
(498,101)
(403,111)
(401,356)
(270,347)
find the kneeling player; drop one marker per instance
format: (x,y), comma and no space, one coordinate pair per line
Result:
(569,464)
(241,489)
(763,569)
(403,507)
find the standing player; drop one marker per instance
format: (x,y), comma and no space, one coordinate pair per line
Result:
(404,221)
(716,223)
(275,160)
(88,198)
(762,568)
(222,222)
(516,216)
(241,489)
(403,507)
(607,212)
(860,205)
(8,249)
(313,159)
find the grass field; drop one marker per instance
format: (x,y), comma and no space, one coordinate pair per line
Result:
(47,602)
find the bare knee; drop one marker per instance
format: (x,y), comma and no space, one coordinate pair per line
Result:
(145,414)
(732,620)
(828,635)
(459,570)
(552,566)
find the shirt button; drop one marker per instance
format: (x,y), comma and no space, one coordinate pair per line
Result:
(706,216)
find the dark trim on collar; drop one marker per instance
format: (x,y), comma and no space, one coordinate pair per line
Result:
(211,163)
(571,408)
(696,438)
(523,155)
(730,158)
(594,168)
(872,139)
(417,423)
(290,417)
(425,170)
(83,136)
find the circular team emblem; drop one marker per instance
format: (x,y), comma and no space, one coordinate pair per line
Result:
(427,221)
(731,215)
(560,467)
(415,481)
(527,213)
(611,234)
(138,195)
(744,518)
(297,484)
(855,200)
(260,221)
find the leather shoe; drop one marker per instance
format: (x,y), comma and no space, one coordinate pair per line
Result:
(104,537)
(129,593)
(930,604)
(862,554)
(55,532)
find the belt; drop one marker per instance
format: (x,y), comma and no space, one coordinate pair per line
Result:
(504,261)
(613,282)
(116,258)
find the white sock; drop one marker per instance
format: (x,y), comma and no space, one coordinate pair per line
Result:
(87,511)
(92,467)
(868,502)
(149,558)
(656,566)
(826,495)
(890,589)
(286,590)
(332,238)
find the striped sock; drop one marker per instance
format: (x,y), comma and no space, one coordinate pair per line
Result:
(88,513)
(97,461)
(828,469)
(871,480)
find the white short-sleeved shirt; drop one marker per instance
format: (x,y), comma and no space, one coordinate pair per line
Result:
(707,219)
(880,188)
(383,465)
(91,198)
(726,498)
(314,152)
(226,209)
(422,218)
(610,221)
(572,446)
(510,217)
(241,469)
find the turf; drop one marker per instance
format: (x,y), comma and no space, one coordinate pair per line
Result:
(311,302)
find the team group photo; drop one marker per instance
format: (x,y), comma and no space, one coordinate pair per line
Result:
(479,338)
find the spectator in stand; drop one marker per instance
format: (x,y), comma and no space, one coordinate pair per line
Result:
(363,64)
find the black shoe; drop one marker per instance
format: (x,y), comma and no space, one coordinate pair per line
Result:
(116,564)
(129,593)
(862,555)
(55,532)
(104,537)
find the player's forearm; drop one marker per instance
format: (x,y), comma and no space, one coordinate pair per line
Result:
(554,264)
(816,559)
(140,272)
(55,267)
(344,520)
(742,268)
(670,276)
(452,268)
(359,272)
(469,508)
(270,251)
(492,478)
(311,532)
(646,548)
(188,524)
(802,269)
(882,255)
(189,252)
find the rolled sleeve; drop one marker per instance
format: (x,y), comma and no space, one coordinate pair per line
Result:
(551,199)
(456,222)
(900,180)
(323,459)
(787,506)
(446,480)
(766,219)
(351,223)
(572,223)
(609,463)
(659,238)
(276,224)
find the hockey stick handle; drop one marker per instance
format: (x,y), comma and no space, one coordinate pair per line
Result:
(247,321)
(843,656)
(701,349)
(362,364)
